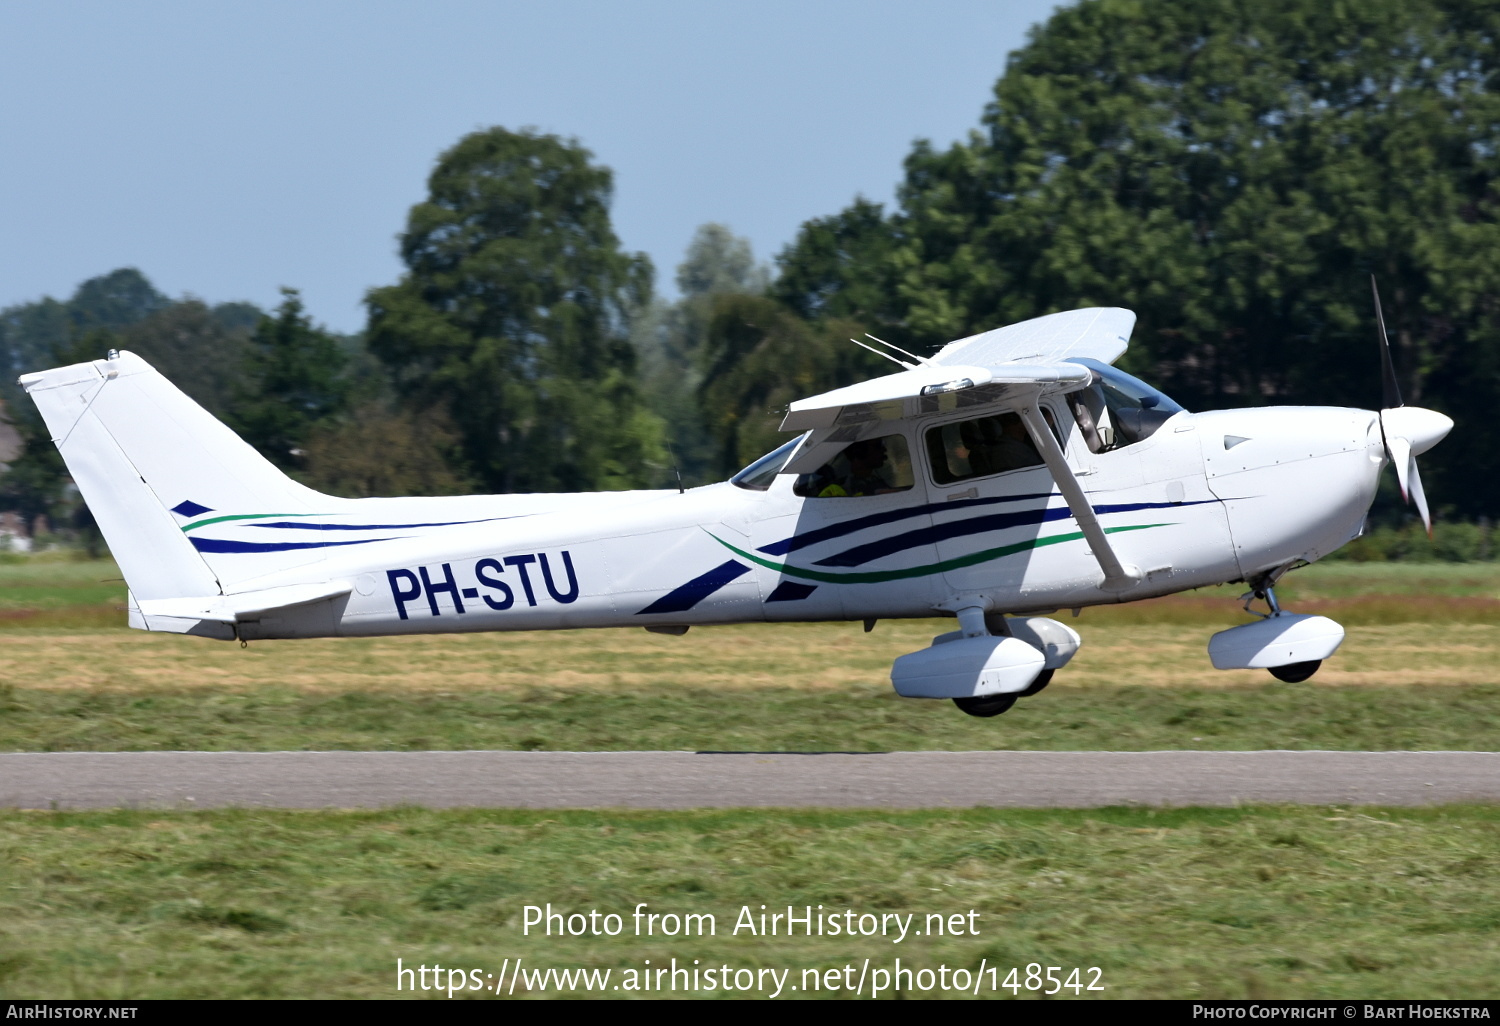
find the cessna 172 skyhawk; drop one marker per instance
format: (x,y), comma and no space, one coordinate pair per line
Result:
(1015,472)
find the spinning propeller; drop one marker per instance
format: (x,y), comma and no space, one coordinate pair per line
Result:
(1408,431)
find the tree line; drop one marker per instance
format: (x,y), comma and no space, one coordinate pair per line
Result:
(1232,170)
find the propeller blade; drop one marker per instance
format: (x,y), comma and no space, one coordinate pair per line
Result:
(1408,431)
(1390,392)
(1418,496)
(1399,450)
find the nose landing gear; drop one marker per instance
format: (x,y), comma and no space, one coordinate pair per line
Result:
(1290,645)
(1290,673)
(1296,673)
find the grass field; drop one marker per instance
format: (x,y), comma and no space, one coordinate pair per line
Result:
(1419,670)
(1249,902)
(1284,902)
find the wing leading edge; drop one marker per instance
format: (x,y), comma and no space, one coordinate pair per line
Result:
(1025,359)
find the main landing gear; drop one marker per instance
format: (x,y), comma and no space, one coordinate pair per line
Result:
(987,664)
(989,705)
(994,705)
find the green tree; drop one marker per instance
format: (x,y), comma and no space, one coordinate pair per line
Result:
(758,357)
(35,483)
(195,349)
(376,450)
(199,348)
(843,266)
(33,334)
(292,380)
(671,338)
(1232,170)
(513,318)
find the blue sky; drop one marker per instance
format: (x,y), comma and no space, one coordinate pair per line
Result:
(227,149)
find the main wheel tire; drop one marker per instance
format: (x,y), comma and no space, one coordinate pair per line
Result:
(1042,680)
(987,705)
(1296,673)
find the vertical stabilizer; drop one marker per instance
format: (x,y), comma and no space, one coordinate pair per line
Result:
(145,458)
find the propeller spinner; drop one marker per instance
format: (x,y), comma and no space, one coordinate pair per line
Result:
(1407,431)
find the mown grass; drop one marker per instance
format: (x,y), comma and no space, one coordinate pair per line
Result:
(866,718)
(1141,681)
(1250,902)
(1169,903)
(55,590)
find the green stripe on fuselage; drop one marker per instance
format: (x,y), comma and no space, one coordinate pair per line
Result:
(878,576)
(244,516)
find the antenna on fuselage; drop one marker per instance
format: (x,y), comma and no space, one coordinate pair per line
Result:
(901,363)
(891,345)
(673,457)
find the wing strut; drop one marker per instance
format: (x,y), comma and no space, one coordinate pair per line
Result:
(1117,576)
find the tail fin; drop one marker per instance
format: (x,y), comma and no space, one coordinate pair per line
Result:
(147,459)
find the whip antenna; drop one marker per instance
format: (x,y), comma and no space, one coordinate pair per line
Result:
(889,345)
(888,356)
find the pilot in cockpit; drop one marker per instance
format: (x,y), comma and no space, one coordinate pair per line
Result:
(874,466)
(861,473)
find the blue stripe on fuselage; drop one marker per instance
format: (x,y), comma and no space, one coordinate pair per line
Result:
(862,554)
(890,516)
(305,526)
(681,599)
(225,545)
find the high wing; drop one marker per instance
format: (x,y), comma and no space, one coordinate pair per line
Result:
(1096,333)
(1029,357)
(1019,364)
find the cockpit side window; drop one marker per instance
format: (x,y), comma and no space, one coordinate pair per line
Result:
(1115,409)
(872,466)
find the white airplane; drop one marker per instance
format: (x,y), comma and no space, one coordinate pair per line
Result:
(1014,473)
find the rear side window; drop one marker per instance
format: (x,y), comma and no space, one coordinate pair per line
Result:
(980,448)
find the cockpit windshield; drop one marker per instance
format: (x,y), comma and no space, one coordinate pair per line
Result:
(757,477)
(1116,409)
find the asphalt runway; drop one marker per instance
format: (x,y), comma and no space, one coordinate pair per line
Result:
(680,780)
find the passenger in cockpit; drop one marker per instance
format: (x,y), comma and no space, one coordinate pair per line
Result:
(997,444)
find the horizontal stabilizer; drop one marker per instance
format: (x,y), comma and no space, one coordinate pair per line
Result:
(251,605)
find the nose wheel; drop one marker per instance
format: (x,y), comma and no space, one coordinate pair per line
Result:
(1296,673)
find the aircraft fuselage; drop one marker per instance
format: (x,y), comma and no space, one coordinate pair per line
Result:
(1207,498)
